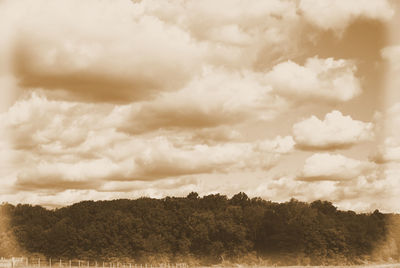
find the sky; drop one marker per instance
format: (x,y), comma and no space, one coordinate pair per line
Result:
(106,99)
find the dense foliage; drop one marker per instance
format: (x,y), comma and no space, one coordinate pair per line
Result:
(205,230)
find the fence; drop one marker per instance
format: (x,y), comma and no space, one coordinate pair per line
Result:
(13,262)
(51,263)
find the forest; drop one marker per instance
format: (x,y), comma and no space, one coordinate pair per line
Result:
(207,230)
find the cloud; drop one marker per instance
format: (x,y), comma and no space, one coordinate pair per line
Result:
(282,145)
(335,131)
(236,33)
(361,194)
(322,79)
(149,98)
(68,145)
(122,52)
(217,97)
(35,121)
(334,167)
(337,15)
(220,96)
(110,51)
(389,149)
(392,54)
(138,159)
(7,157)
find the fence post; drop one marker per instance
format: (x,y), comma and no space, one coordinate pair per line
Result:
(70,263)
(50,262)
(39,262)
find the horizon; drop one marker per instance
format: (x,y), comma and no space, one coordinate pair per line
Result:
(51,207)
(277,99)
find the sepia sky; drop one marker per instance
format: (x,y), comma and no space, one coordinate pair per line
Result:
(104,99)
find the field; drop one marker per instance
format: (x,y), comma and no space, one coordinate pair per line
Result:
(37,262)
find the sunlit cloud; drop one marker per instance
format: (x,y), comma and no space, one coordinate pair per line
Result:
(111,99)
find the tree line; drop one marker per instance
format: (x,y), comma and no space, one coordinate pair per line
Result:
(200,230)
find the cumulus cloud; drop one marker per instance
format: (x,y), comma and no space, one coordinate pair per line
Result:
(109,51)
(36,121)
(334,167)
(161,97)
(392,54)
(70,145)
(280,145)
(363,193)
(335,131)
(389,150)
(337,15)
(120,51)
(217,97)
(236,33)
(123,51)
(7,167)
(326,79)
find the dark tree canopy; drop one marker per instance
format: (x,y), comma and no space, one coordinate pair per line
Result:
(204,230)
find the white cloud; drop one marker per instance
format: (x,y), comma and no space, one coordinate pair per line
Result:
(67,145)
(109,51)
(122,51)
(389,150)
(335,131)
(335,167)
(280,145)
(161,97)
(337,15)
(36,121)
(217,97)
(323,79)
(392,54)
(236,33)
